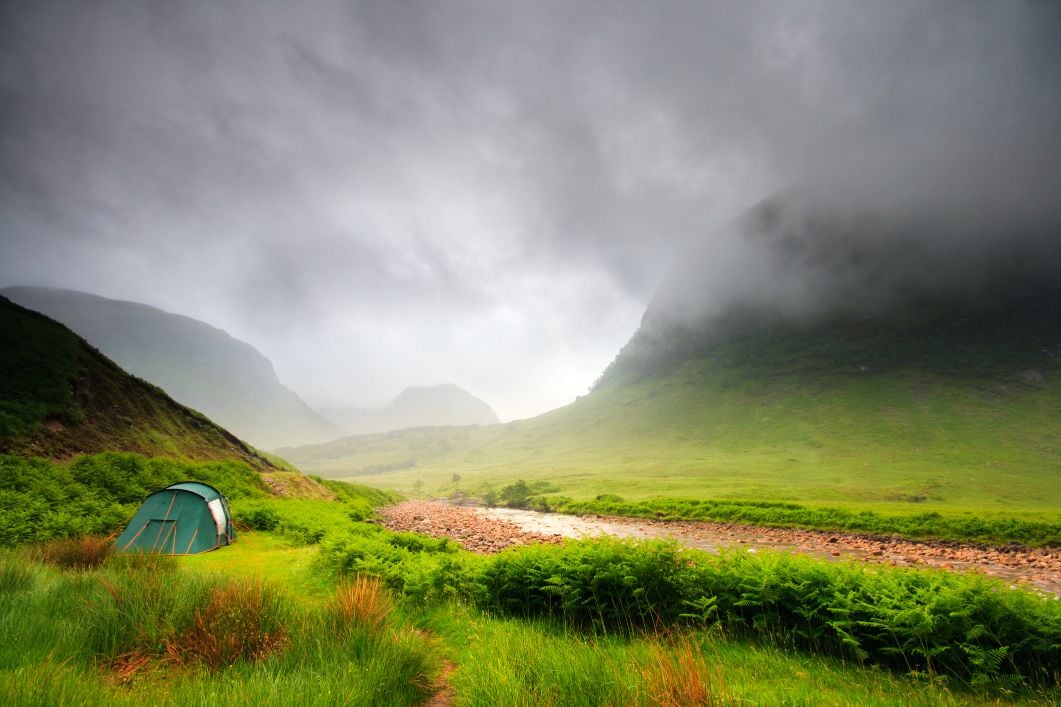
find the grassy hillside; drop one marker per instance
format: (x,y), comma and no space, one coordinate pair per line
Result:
(931,409)
(59,397)
(196,364)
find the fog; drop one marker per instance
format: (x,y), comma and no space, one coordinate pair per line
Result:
(382,194)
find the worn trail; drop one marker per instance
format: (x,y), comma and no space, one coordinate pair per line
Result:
(494,529)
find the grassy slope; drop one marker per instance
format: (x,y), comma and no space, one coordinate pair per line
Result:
(59,397)
(928,412)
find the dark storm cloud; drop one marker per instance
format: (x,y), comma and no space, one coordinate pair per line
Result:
(380,193)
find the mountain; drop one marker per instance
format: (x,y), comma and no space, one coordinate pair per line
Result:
(200,366)
(868,362)
(419,406)
(60,397)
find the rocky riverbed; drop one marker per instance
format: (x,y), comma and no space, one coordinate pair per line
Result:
(489,530)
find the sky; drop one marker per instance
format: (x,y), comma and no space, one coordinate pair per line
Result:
(384,194)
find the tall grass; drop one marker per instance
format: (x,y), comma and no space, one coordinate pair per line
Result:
(135,631)
(678,675)
(78,553)
(939,623)
(360,604)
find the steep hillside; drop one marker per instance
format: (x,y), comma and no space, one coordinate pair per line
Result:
(927,418)
(59,397)
(202,367)
(884,373)
(419,406)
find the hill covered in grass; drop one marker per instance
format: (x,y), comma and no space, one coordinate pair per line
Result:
(884,372)
(59,398)
(198,365)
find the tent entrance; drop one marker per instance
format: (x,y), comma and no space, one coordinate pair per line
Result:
(160,534)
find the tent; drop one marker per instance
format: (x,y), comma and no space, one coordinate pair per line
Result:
(182,519)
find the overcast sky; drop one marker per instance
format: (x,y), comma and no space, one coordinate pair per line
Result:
(383,194)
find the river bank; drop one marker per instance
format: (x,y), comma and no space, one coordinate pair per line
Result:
(489,530)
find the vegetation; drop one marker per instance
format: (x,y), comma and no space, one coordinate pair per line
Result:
(930,525)
(128,633)
(97,494)
(59,397)
(323,607)
(937,623)
(936,422)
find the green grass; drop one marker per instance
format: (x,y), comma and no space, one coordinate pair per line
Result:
(118,634)
(935,408)
(509,662)
(947,425)
(897,444)
(161,634)
(60,397)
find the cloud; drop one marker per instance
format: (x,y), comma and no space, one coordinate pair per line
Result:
(379,194)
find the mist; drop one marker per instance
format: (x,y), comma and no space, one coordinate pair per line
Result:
(378,195)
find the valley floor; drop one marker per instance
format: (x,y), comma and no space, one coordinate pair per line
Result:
(493,529)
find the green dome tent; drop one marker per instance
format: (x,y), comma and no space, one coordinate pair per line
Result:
(182,519)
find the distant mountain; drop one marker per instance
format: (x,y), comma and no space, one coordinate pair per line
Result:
(60,397)
(873,284)
(200,366)
(868,359)
(419,406)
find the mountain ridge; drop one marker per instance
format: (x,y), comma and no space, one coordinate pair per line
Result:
(198,364)
(60,397)
(440,405)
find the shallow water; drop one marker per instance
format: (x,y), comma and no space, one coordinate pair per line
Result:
(1039,569)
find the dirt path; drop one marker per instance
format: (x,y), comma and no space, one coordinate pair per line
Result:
(493,529)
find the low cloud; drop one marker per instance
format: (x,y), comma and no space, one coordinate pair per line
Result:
(384,194)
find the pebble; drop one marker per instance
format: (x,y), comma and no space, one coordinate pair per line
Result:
(1036,567)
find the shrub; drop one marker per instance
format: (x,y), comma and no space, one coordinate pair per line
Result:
(80,553)
(516,495)
(609,584)
(360,604)
(241,620)
(258,518)
(933,622)
(678,675)
(422,570)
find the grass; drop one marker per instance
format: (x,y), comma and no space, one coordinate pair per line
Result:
(60,397)
(164,634)
(350,640)
(934,410)
(901,444)
(512,662)
(325,608)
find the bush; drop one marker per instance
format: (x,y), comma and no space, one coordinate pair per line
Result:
(140,616)
(516,495)
(97,494)
(422,570)
(934,622)
(240,620)
(605,584)
(81,553)
(360,604)
(258,518)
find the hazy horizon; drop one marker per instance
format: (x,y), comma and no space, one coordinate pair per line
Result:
(379,195)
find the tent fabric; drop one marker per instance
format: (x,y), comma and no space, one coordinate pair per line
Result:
(181,519)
